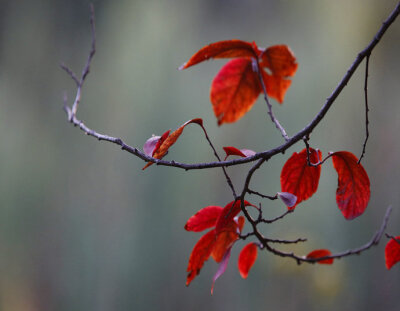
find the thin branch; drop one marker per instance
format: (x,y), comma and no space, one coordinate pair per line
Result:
(279,241)
(270,197)
(366,107)
(270,221)
(320,162)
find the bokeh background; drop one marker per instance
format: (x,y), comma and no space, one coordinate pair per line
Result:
(82,227)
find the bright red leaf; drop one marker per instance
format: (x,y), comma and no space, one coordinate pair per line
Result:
(238,152)
(234,90)
(392,252)
(223,49)
(228,213)
(162,146)
(247,258)
(280,60)
(300,179)
(203,219)
(319,253)
(200,253)
(353,192)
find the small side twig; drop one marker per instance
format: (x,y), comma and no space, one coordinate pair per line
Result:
(270,197)
(366,107)
(270,221)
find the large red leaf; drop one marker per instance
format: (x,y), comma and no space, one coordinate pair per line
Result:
(234,90)
(228,213)
(280,60)
(200,253)
(162,146)
(353,192)
(203,219)
(319,253)
(247,258)
(223,49)
(300,179)
(225,240)
(392,252)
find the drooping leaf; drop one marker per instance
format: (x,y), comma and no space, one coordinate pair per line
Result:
(353,192)
(238,152)
(280,60)
(222,49)
(319,253)
(203,219)
(276,86)
(392,252)
(224,240)
(240,221)
(300,179)
(153,143)
(228,213)
(200,253)
(234,90)
(247,258)
(287,198)
(162,149)
(221,268)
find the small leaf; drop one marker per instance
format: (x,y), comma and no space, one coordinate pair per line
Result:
(300,179)
(163,146)
(200,253)
(280,60)
(247,258)
(221,268)
(234,90)
(353,192)
(287,198)
(203,219)
(319,253)
(392,252)
(222,49)
(228,213)
(238,152)
(153,143)
(276,86)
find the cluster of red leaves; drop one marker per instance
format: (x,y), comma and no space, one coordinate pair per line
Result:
(301,179)
(218,242)
(237,85)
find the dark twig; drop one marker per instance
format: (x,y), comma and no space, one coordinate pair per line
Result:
(366,107)
(270,221)
(279,241)
(262,195)
(320,162)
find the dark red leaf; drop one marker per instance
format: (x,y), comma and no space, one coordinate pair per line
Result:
(223,49)
(203,219)
(238,152)
(353,192)
(300,179)
(319,253)
(234,90)
(228,213)
(200,253)
(392,252)
(247,258)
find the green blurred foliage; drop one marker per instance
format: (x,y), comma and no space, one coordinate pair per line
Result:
(83,228)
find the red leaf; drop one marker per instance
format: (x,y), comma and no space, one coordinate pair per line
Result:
(280,60)
(234,90)
(241,153)
(392,252)
(353,192)
(221,268)
(161,149)
(276,86)
(223,49)
(319,253)
(200,253)
(240,222)
(203,219)
(300,179)
(247,258)
(225,240)
(228,213)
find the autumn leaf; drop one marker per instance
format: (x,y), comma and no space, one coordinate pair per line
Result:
(238,152)
(247,258)
(225,240)
(162,147)
(319,253)
(203,219)
(200,253)
(228,213)
(223,49)
(276,86)
(353,192)
(300,179)
(280,60)
(392,252)
(221,268)
(154,143)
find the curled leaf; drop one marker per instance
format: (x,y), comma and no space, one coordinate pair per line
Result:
(153,143)
(247,258)
(392,252)
(222,49)
(319,253)
(287,198)
(203,219)
(353,192)
(221,268)
(300,179)
(238,152)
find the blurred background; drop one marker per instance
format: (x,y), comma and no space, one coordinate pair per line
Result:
(82,227)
